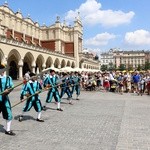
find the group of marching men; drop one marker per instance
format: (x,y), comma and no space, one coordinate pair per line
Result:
(30,93)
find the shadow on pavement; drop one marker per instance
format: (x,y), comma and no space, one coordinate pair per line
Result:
(25,117)
(2,128)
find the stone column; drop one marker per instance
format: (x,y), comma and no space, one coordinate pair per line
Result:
(37,71)
(43,66)
(20,64)
(20,72)
(52,65)
(59,66)
(33,66)
(82,65)
(33,69)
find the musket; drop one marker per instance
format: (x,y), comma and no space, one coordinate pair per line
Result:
(10,89)
(38,92)
(59,81)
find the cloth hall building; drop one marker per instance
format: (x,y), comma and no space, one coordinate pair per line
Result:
(27,46)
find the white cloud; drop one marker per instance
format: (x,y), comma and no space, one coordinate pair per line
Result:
(92,14)
(138,37)
(99,40)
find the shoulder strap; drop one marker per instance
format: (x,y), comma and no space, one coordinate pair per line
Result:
(7,78)
(31,85)
(37,86)
(1,84)
(51,80)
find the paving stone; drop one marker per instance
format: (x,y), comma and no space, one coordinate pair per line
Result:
(99,121)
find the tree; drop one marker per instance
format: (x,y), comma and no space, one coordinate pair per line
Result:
(139,67)
(122,67)
(104,67)
(147,65)
(130,68)
(111,66)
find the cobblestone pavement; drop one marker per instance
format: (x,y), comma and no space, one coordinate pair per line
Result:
(98,121)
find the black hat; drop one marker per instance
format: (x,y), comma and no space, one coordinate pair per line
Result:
(2,68)
(52,70)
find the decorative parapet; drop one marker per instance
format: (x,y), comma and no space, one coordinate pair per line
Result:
(88,57)
(13,42)
(91,61)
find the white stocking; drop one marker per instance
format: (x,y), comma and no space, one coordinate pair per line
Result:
(39,115)
(8,124)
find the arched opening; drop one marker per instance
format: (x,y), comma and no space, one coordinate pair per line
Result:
(68,63)
(13,70)
(39,63)
(13,59)
(56,63)
(80,64)
(87,67)
(73,65)
(49,62)
(26,68)
(27,62)
(1,56)
(63,63)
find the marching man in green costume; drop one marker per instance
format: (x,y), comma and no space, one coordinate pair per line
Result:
(32,89)
(51,82)
(6,86)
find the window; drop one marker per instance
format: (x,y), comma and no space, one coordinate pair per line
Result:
(16,38)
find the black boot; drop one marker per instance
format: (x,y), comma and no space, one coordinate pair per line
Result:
(10,133)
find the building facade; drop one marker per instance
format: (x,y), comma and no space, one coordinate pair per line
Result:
(130,59)
(107,57)
(27,46)
(147,56)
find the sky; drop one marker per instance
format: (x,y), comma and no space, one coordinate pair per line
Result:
(123,24)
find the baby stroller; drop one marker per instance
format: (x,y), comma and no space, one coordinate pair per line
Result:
(90,85)
(113,86)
